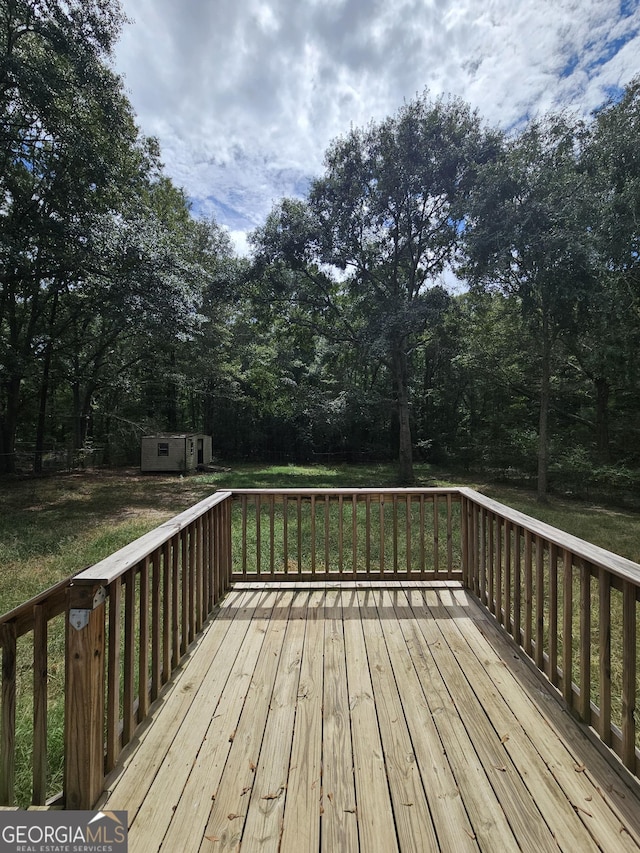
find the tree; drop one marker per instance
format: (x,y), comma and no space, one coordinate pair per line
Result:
(529,233)
(607,350)
(137,322)
(494,383)
(378,230)
(70,154)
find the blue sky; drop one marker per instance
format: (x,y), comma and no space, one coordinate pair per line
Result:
(245,95)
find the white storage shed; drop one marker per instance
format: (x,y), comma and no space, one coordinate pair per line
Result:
(182,452)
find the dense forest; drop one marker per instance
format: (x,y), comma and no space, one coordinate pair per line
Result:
(446,292)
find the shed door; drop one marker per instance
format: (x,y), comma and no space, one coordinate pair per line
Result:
(200,451)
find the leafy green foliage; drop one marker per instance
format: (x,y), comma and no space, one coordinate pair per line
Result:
(362,256)
(120,313)
(102,266)
(530,233)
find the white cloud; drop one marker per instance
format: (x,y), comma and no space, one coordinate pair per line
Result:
(245,95)
(240,243)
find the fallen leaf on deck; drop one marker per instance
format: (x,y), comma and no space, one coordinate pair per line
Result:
(579,768)
(502,769)
(245,790)
(212,838)
(252,767)
(407,804)
(350,811)
(233,816)
(330,797)
(504,738)
(584,811)
(471,835)
(231,736)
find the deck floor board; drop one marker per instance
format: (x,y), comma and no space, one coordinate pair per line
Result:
(193,807)
(566,779)
(414,825)
(493,744)
(130,789)
(526,761)
(370,717)
(339,822)
(263,826)
(230,805)
(303,800)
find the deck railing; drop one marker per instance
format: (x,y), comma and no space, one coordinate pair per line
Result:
(129,622)
(33,624)
(131,618)
(570,605)
(333,534)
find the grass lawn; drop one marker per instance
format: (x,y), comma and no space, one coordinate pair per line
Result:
(51,528)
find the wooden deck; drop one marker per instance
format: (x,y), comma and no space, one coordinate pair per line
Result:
(366,718)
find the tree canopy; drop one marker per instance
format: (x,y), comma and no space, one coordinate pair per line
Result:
(378,230)
(98,249)
(344,336)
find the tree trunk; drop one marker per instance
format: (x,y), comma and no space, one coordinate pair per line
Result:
(44,390)
(209,409)
(172,396)
(405,454)
(602,420)
(9,425)
(80,416)
(42,410)
(87,415)
(543,428)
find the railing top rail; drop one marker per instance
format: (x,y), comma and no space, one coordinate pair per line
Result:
(614,563)
(24,611)
(116,564)
(348,492)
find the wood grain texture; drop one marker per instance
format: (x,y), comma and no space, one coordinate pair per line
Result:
(367,717)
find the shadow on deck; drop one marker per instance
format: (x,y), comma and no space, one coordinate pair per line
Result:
(372,717)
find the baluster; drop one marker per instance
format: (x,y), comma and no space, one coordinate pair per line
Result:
(113,673)
(629,664)
(585,642)
(40,667)
(553,614)
(604,656)
(567,627)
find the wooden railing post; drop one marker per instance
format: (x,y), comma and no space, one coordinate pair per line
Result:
(8,713)
(465,531)
(229,544)
(84,696)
